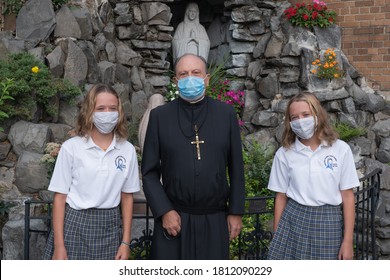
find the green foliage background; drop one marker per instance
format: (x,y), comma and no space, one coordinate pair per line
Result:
(31,91)
(257,167)
(14,6)
(347,132)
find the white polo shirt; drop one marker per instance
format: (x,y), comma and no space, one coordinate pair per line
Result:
(314,178)
(93,178)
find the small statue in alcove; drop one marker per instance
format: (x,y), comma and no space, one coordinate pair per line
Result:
(190,36)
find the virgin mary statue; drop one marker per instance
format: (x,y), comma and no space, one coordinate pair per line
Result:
(190,36)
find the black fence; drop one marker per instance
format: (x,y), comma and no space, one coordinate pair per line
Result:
(366,202)
(256,235)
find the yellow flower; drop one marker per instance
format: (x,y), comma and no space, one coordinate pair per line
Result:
(35,69)
(330,57)
(336,75)
(314,71)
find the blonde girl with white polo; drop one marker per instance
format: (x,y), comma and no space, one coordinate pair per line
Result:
(95,176)
(313,175)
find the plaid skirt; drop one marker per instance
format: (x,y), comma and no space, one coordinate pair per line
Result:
(91,234)
(307,233)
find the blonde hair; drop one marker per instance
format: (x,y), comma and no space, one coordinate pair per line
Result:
(324,131)
(85,121)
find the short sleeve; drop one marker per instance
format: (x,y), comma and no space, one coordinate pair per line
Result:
(278,180)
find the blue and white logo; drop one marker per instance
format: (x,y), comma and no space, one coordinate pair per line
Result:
(120,163)
(330,162)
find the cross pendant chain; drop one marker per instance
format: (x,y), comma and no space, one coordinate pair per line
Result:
(197,142)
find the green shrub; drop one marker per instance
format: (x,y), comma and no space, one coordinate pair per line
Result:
(347,132)
(4,96)
(14,6)
(4,207)
(257,168)
(34,88)
(58,3)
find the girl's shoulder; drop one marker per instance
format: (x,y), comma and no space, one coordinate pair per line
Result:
(340,144)
(75,141)
(281,151)
(124,144)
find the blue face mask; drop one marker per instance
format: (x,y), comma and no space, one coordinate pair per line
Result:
(191,88)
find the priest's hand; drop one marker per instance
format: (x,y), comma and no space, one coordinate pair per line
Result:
(171,222)
(234,225)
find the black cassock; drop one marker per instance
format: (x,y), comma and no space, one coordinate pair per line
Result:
(194,180)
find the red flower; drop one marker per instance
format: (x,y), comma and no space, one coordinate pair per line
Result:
(290,12)
(317,7)
(309,15)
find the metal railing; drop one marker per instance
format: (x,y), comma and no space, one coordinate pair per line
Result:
(366,202)
(253,241)
(46,218)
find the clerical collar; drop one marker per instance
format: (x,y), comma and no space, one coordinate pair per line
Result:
(191,104)
(191,114)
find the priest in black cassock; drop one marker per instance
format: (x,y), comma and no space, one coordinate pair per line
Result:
(192,170)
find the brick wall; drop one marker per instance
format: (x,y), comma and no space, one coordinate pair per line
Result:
(366,37)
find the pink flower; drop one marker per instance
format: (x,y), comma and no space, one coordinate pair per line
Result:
(319,2)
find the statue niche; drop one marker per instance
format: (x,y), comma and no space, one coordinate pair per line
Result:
(190,36)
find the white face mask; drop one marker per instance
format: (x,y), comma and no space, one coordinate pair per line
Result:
(304,128)
(105,122)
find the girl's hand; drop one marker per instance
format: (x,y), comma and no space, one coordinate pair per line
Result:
(60,253)
(123,252)
(346,251)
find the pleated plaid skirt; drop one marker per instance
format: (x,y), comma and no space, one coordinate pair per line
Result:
(307,233)
(91,234)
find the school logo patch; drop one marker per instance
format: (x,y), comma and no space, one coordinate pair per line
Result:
(120,163)
(330,162)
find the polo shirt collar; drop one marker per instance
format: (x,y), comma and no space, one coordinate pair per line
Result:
(298,146)
(90,144)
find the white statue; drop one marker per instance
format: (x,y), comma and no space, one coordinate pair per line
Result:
(154,101)
(190,36)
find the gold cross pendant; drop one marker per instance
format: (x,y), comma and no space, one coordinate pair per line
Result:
(197,142)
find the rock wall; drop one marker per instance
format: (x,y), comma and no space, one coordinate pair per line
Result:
(127,44)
